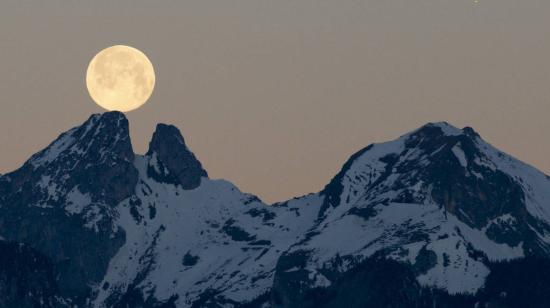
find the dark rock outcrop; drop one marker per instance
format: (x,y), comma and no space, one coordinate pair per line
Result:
(27,278)
(172,161)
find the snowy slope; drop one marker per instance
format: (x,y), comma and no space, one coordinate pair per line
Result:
(433,199)
(184,242)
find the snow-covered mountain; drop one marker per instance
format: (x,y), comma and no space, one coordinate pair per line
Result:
(439,208)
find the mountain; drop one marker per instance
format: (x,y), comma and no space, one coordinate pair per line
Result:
(437,217)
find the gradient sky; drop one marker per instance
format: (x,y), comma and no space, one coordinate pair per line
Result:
(275,95)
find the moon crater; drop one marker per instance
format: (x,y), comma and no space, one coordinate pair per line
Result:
(120,78)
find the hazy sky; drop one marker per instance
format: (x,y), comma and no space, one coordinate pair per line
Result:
(275,95)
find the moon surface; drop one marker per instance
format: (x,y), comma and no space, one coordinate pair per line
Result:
(120,78)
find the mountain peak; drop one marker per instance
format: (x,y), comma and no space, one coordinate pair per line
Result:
(425,151)
(437,128)
(109,116)
(96,156)
(102,135)
(171,160)
(445,129)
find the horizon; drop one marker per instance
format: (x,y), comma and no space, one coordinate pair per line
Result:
(285,92)
(269,202)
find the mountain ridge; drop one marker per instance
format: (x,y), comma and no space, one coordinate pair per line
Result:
(123,229)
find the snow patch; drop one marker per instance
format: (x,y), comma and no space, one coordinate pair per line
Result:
(459,154)
(318,280)
(76,201)
(53,151)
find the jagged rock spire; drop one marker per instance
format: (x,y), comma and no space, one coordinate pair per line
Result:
(168,151)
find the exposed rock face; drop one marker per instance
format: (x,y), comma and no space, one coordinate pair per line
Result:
(96,156)
(172,162)
(435,217)
(26,278)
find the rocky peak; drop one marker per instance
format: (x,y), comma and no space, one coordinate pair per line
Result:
(370,166)
(102,137)
(461,175)
(170,159)
(438,135)
(437,162)
(441,127)
(96,157)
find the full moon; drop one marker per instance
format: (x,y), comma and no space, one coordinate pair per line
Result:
(120,78)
